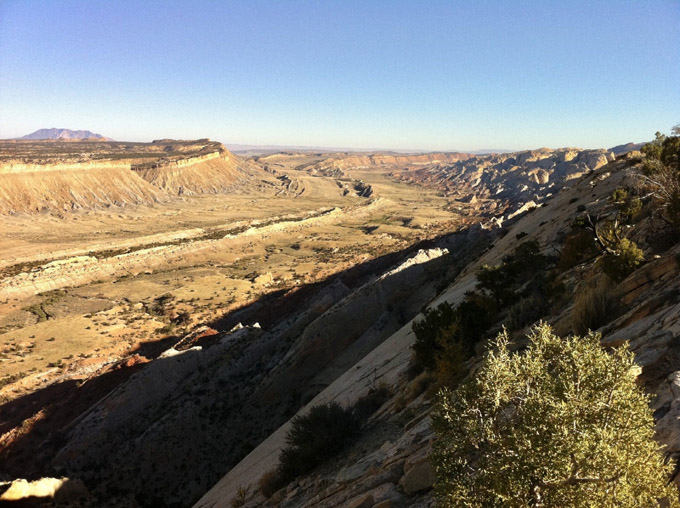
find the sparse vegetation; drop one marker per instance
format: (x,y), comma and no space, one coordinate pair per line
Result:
(562,424)
(661,175)
(38,311)
(518,292)
(593,305)
(241,497)
(315,436)
(620,255)
(319,434)
(624,257)
(11,378)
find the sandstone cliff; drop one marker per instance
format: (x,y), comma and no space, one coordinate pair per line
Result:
(185,403)
(513,176)
(337,163)
(46,176)
(73,186)
(212,173)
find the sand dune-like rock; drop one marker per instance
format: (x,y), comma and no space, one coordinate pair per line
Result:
(511,176)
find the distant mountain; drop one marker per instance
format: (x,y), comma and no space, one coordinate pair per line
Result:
(63,134)
(628,147)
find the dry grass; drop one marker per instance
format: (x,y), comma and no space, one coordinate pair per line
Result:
(269,483)
(207,282)
(593,303)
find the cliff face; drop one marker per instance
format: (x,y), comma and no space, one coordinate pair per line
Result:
(339,163)
(511,175)
(388,465)
(71,187)
(206,174)
(38,177)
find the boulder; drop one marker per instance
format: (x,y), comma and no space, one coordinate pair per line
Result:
(418,478)
(361,501)
(62,490)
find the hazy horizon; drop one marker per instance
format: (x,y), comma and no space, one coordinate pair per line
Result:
(463,76)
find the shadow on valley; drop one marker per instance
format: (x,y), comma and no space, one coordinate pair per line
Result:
(168,430)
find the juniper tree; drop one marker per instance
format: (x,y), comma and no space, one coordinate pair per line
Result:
(561,424)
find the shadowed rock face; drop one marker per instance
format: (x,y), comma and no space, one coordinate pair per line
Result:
(199,411)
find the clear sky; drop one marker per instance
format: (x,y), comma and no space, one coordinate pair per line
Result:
(366,74)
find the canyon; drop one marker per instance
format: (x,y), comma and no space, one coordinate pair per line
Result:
(167,308)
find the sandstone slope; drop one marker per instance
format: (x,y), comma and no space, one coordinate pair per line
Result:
(388,467)
(73,186)
(516,176)
(213,173)
(183,404)
(337,163)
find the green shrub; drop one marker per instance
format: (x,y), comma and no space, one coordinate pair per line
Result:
(315,436)
(428,331)
(563,424)
(515,269)
(446,329)
(628,256)
(495,281)
(628,206)
(322,432)
(449,369)
(661,176)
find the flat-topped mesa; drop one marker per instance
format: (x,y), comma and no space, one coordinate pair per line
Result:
(74,186)
(401,161)
(209,173)
(23,167)
(51,175)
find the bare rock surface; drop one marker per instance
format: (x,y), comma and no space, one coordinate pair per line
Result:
(395,464)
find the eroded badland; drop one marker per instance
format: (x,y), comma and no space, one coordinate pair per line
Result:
(166,308)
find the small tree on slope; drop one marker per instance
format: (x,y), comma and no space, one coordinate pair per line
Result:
(562,424)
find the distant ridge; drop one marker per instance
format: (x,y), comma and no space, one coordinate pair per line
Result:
(628,147)
(63,134)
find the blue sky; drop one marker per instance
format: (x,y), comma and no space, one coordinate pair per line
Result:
(432,75)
